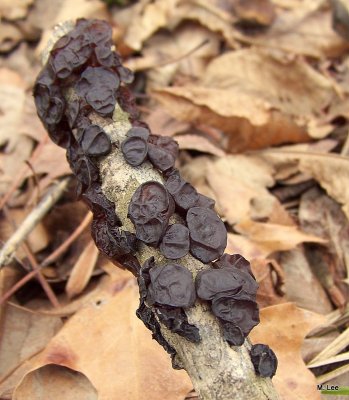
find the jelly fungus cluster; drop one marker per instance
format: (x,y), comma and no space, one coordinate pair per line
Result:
(84,77)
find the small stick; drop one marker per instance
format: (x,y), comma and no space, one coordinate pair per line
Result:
(34,264)
(30,275)
(35,216)
(60,249)
(45,285)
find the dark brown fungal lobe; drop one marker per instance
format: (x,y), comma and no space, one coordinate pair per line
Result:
(264,360)
(97,86)
(150,209)
(183,193)
(234,260)
(171,285)
(139,131)
(134,149)
(232,293)
(162,152)
(175,243)
(208,236)
(180,290)
(243,313)
(232,333)
(94,141)
(145,313)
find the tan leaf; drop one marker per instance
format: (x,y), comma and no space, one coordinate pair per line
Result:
(285,336)
(273,237)
(148,17)
(238,244)
(23,334)
(108,344)
(236,181)
(51,162)
(254,97)
(82,270)
(55,382)
(330,170)
(14,9)
(311,296)
(198,143)
(304,29)
(271,281)
(210,15)
(10,36)
(12,97)
(163,124)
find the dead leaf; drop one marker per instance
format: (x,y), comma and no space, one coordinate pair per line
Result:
(254,98)
(14,9)
(50,162)
(210,15)
(122,348)
(256,12)
(161,123)
(82,270)
(147,18)
(273,237)
(54,382)
(12,98)
(304,29)
(322,167)
(310,296)
(23,335)
(10,36)
(236,181)
(285,336)
(198,143)
(184,52)
(271,281)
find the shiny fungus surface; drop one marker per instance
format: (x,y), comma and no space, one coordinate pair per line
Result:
(175,243)
(150,209)
(171,285)
(208,236)
(264,360)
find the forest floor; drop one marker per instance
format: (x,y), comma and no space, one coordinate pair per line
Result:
(256,93)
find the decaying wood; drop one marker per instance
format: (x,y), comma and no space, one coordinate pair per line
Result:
(217,370)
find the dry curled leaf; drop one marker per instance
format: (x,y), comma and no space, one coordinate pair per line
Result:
(273,237)
(322,167)
(82,270)
(253,97)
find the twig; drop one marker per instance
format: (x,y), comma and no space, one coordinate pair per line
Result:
(18,285)
(60,249)
(34,264)
(35,216)
(45,285)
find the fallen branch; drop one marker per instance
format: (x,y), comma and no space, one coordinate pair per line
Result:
(97,106)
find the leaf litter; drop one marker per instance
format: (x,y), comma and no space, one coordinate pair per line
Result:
(256,94)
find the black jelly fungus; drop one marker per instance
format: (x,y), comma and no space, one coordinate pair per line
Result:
(175,243)
(171,285)
(208,236)
(264,360)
